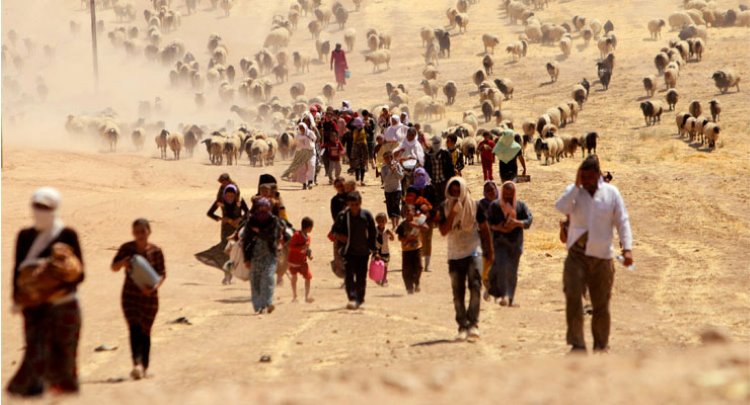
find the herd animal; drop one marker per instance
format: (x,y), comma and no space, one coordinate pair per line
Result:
(247,81)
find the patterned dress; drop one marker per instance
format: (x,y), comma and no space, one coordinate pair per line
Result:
(140,309)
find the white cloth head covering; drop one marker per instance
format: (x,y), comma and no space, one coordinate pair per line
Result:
(49,197)
(467,207)
(306,140)
(396,132)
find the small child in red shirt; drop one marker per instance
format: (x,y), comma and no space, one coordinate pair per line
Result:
(299,252)
(485,152)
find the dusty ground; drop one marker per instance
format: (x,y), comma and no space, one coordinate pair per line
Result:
(688,208)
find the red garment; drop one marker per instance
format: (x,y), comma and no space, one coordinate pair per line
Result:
(302,269)
(338,62)
(298,247)
(486,152)
(334,150)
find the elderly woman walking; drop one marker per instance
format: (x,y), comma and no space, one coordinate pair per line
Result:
(140,306)
(339,65)
(47,271)
(508,218)
(302,168)
(262,238)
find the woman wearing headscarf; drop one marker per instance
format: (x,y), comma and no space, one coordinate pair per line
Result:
(423,188)
(268,188)
(465,225)
(384,119)
(233,209)
(359,155)
(339,66)
(491,194)
(261,240)
(140,306)
(410,148)
(508,151)
(393,135)
(48,268)
(508,219)
(302,168)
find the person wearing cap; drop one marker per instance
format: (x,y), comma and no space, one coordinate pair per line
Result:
(359,155)
(439,165)
(339,65)
(48,268)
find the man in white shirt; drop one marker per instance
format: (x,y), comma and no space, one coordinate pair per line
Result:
(594,207)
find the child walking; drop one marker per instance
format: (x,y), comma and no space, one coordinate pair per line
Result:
(384,236)
(485,152)
(411,247)
(299,252)
(392,174)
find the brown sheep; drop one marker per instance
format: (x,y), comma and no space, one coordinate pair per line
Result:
(672,98)
(553,69)
(715,107)
(649,83)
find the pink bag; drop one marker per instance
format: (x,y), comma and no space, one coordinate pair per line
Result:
(377,271)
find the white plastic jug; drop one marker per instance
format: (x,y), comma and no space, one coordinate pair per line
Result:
(142,274)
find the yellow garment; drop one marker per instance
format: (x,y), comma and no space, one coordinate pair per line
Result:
(359,136)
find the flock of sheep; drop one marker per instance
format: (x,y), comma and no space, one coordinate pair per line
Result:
(247,82)
(689,46)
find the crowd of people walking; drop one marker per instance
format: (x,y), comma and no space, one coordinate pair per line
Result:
(423,190)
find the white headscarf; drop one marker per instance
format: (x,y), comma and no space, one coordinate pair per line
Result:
(396,132)
(306,140)
(412,148)
(46,222)
(467,207)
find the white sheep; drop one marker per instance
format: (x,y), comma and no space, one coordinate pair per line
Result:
(490,41)
(679,19)
(670,77)
(378,58)
(176,141)
(350,36)
(277,38)
(565,46)
(427,34)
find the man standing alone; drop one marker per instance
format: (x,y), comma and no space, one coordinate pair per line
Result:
(594,207)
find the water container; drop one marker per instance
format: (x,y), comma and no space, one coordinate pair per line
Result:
(347,73)
(142,274)
(377,271)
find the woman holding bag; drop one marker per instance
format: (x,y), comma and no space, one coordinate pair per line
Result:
(140,305)
(47,271)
